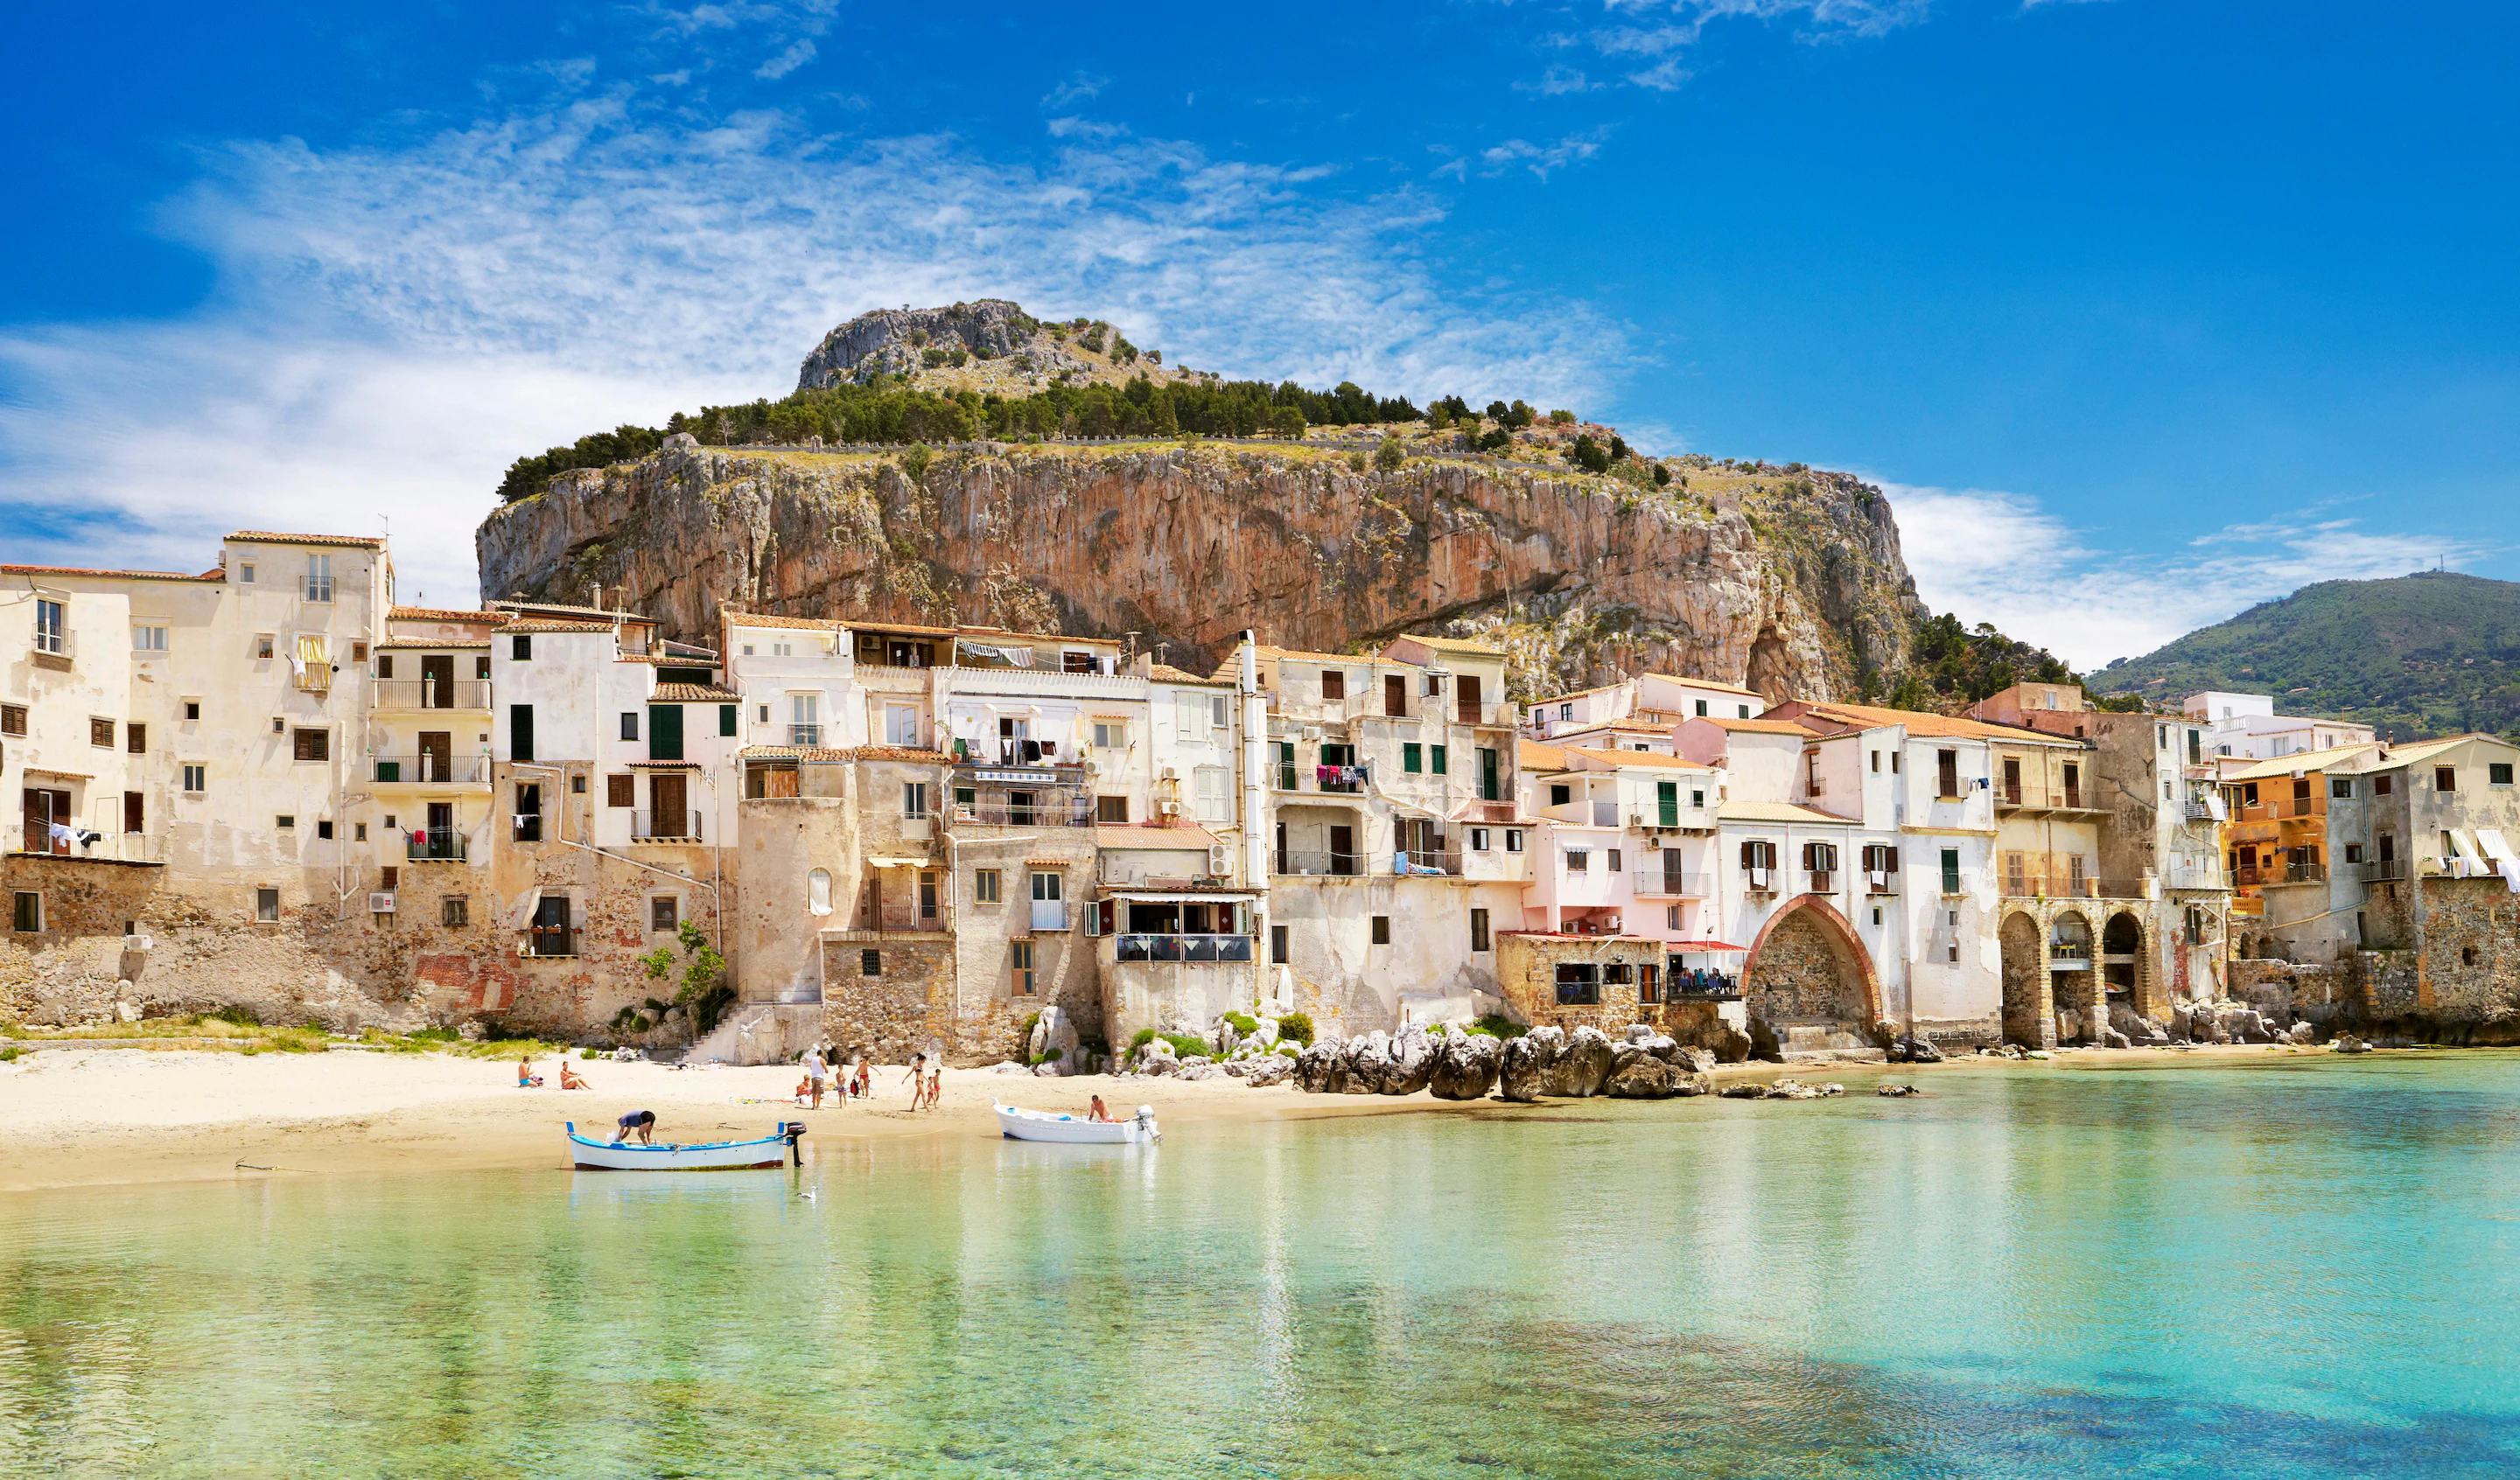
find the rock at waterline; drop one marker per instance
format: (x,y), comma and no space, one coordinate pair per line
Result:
(1585,1065)
(1466,1066)
(1525,1073)
(1639,1075)
(2347,1043)
(1911,1050)
(1275,1070)
(1896,1090)
(1743,1092)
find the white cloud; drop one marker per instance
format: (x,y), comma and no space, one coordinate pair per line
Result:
(2002,558)
(1665,29)
(394,325)
(1540,158)
(1556,81)
(798,54)
(1079,88)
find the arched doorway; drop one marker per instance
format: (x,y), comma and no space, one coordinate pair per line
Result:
(2122,964)
(2025,1002)
(2071,991)
(1810,985)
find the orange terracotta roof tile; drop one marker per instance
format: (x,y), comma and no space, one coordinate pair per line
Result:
(273,537)
(120,575)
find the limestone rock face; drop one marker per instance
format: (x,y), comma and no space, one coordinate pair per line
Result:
(1466,1066)
(1689,1061)
(1787,582)
(1274,1069)
(1369,1064)
(1585,1065)
(1322,1069)
(1639,1075)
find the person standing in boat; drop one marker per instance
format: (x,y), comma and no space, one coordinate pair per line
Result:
(641,1122)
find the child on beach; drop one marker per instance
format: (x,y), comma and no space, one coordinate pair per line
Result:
(936,1083)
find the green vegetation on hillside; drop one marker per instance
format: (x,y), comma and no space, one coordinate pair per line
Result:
(1956,666)
(2436,652)
(886,411)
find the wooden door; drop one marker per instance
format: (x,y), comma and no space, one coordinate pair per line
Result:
(436,755)
(437,681)
(1395,696)
(1466,699)
(667,798)
(1342,849)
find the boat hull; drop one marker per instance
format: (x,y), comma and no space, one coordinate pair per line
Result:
(591,1155)
(1036,1125)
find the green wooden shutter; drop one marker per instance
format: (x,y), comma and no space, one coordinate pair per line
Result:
(1667,797)
(664,732)
(726,719)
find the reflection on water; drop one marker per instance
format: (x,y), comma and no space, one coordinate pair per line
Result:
(2294,1271)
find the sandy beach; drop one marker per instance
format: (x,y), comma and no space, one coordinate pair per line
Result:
(81,1116)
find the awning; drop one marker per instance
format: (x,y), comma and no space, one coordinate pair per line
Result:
(901,863)
(1013,658)
(1705,945)
(1178,896)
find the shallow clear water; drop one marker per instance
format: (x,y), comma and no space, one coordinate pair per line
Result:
(2301,1267)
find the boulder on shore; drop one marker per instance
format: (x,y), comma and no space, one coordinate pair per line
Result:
(1268,1069)
(1322,1069)
(1910,1049)
(1639,1075)
(2347,1043)
(1464,1067)
(1584,1064)
(1528,1068)
(1368,1061)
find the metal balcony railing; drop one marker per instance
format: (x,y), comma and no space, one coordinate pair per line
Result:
(1227,948)
(1004,752)
(427,768)
(429,694)
(1077,812)
(2035,885)
(1326,863)
(1668,883)
(682,826)
(1445,861)
(423,847)
(2283,874)
(2382,870)
(1695,985)
(805,735)
(2042,799)
(550,940)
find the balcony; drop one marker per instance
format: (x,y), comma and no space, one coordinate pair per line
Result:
(393,695)
(2198,810)
(1882,881)
(432,847)
(1329,780)
(664,826)
(1220,948)
(2283,874)
(1323,864)
(427,768)
(1824,881)
(1050,812)
(2385,871)
(550,940)
(1700,985)
(1668,883)
(1021,755)
(806,736)
(2068,886)
(1444,863)
(1491,714)
(2031,797)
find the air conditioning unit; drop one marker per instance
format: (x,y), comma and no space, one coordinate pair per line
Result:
(1169,809)
(1311,732)
(380,902)
(1220,859)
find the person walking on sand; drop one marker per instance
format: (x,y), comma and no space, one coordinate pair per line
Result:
(818,1074)
(918,1080)
(937,1084)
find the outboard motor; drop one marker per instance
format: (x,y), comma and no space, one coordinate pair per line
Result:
(1146,1120)
(795,1131)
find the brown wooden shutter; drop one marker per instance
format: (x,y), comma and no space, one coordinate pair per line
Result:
(620,791)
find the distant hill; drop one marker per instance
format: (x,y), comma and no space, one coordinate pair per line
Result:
(2435,652)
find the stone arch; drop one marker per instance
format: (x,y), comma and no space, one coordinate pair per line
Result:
(1810,984)
(2073,978)
(2126,962)
(2026,1018)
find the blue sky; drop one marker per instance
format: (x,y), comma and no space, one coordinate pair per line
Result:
(2144,311)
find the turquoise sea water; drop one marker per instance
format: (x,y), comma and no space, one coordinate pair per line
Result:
(2306,1268)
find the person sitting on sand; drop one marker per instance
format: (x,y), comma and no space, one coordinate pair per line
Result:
(642,1121)
(568,1077)
(1100,1114)
(526,1078)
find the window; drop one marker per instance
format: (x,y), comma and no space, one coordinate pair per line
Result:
(1382,928)
(323,826)
(26,913)
(761,714)
(454,911)
(900,725)
(520,731)
(2445,778)
(985,885)
(1112,809)
(482,667)
(266,905)
(1333,683)
(1566,712)
(967,797)
(359,834)
(1671,917)
(191,709)
(1579,859)
(1758,853)
(804,719)
(1072,661)
(1412,758)
(359,654)
(1948,774)
(2353,853)
(284,821)
(2380,786)
(1110,735)
(196,778)
(1479,937)
(521,649)
(1019,967)
(726,720)
(1617,973)
(665,912)
(13,719)
(1215,794)
(2337,786)
(244,572)
(148,638)
(1278,942)
(1478,839)
(1614,863)
(1560,795)
(914,799)
(311,745)
(621,791)
(870,963)
(319,578)
(630,724)
(1220,713)
(51,635)
(1701,708)
(1579,984)
(1514,839)
(818,892)
(1951,872)
(2497,773)
(100,732)
(1876,915)
(1438,761)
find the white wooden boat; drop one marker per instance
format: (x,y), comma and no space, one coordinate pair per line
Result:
(1042,1125)
(771,1150)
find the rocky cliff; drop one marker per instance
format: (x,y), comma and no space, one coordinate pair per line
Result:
(1788,581)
